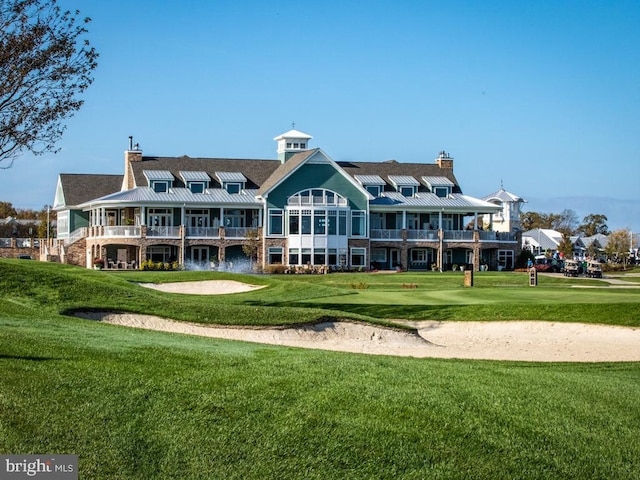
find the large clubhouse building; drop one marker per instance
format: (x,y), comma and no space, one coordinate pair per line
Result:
(300,210)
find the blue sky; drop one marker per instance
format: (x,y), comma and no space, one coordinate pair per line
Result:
(541,96)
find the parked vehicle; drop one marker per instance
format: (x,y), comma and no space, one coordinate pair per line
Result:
(544,264)
(571,268)
(594,270)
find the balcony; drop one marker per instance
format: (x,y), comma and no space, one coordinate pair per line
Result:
(447,235)
(122,231)
(384,234)
(164,232)
(497,236)
(422,235)
(457,235)
(203,232)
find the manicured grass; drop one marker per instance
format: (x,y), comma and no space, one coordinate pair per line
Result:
(136,404)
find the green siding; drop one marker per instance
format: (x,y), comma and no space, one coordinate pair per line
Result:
(317,176)
(78,219)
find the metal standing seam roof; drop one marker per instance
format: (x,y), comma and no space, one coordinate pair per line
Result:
(369,180)
(152,175)
(504,196)
(397,180)
(179,195)
(231,177)
(433,181)
(194,176)
(431,200)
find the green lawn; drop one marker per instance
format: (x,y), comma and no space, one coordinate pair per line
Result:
(137,404)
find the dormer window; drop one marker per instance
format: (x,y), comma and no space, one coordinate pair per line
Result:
(232,182)
(232,187)
(441,192)
(160,186)
(409,191)
(371,183)
(374,190)
(440,186)
(195,181)
(405,185)
(196,187)
(160,181)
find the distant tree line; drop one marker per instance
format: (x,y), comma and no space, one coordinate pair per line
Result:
(566,222)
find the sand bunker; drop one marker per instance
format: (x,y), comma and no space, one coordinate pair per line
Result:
(206,287)
(521,341)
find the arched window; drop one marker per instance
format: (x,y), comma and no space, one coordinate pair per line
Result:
(317,197)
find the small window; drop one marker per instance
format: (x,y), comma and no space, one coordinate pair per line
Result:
(275,255)
(233,188)
(196,187)
(288,144)
(160,187)
(373,190)
(441,192)
(358,257)
(407,191)
(295,145)
(303,145)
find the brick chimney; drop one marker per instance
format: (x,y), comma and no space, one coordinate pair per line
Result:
(134,154)
(444,161)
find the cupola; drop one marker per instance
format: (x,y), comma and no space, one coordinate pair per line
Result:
(290,143)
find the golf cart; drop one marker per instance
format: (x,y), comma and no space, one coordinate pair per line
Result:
(594,269)
(571,268)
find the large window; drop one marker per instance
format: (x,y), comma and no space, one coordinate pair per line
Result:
(160,254)
(294,222)
(275,222)
(317,196)
(505,259)
(305,222)
(160,217)
(358,224)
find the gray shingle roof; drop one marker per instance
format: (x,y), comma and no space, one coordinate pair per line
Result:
(80,188)
(255,171)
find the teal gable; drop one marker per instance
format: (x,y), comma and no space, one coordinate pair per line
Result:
(324,175)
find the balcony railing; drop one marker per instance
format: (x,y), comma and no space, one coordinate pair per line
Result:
(166,232)
(422,235)
(466,235)
(236,232)
(203,232)
(385,234)
(497,236)
(122,231)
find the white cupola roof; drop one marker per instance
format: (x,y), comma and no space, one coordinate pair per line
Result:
(290,143)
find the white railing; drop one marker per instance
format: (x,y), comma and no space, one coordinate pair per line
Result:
(75,236)
(422,235)
(458,235)
(385,234)
(203,232)
(497,236)
(166,232)
(122,231)
(236,232)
